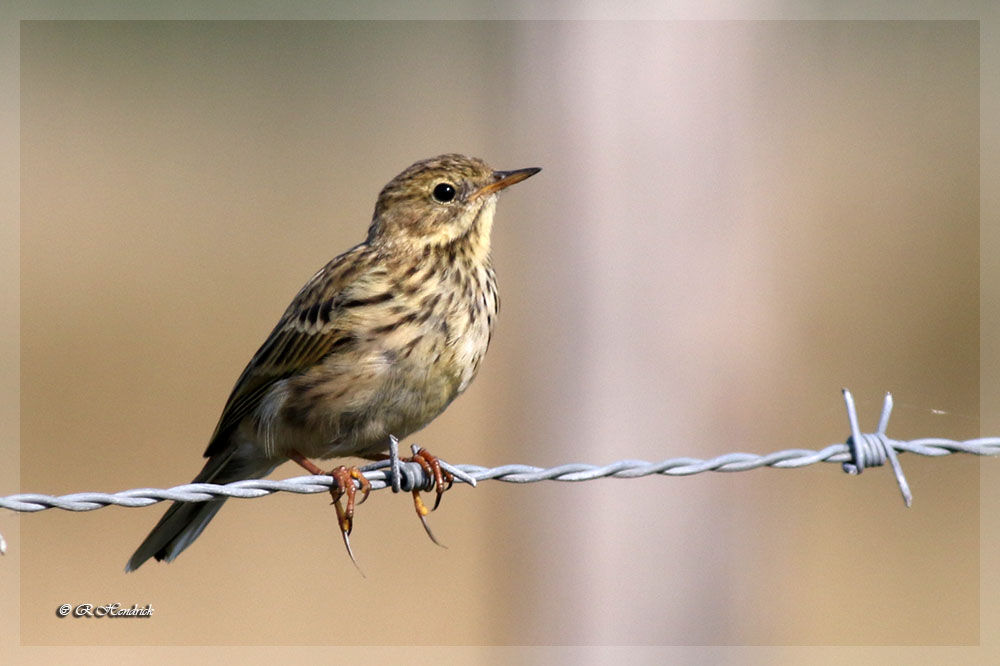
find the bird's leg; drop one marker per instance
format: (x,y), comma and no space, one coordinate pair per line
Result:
(305,463)
(343,478)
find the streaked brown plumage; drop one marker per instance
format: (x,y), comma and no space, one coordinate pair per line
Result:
(377,343)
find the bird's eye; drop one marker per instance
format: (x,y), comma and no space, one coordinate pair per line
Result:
(443,192)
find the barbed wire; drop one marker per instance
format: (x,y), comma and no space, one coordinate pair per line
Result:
(861,450)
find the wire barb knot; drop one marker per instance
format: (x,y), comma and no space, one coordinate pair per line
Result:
(873,449)
(870,451)
(408,476)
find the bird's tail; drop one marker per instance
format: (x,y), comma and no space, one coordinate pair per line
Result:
(184,521)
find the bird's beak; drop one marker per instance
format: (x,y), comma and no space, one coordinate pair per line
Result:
(504,179)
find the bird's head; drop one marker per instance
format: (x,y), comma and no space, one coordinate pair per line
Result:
(439,201)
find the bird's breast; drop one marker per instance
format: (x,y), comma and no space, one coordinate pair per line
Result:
(411,356)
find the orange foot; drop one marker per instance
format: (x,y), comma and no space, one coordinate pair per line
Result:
(437,477)
(344,478)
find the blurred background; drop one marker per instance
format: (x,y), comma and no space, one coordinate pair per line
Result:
(734,220)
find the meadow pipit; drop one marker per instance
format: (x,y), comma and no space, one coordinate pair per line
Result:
(377,343)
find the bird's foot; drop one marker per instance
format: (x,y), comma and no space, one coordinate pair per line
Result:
(439,480)
(344,486)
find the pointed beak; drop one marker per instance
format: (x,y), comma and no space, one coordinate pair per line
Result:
(504,179)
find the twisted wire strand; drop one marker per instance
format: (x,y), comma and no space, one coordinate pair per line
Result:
(572,472)
(860,451)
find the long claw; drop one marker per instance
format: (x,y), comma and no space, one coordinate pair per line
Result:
(440,487)
(366,486)
(350,552)
(422,512)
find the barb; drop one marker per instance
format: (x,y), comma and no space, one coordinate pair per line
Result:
(872,450)
(860,451)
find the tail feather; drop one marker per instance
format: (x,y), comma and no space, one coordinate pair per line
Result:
(184,521)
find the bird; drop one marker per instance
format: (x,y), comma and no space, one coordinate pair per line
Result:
(375,345)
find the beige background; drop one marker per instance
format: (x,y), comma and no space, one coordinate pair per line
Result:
(734,220)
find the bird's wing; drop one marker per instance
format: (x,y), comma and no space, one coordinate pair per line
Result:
(305,334)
